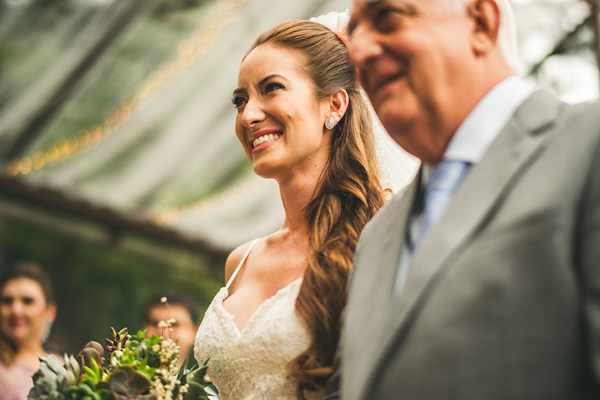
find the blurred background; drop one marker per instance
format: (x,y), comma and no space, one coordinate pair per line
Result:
(119,168)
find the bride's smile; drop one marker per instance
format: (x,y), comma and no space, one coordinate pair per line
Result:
(279,120)
(264,138)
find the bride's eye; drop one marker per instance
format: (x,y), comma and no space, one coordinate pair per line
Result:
(269,87)
(237,101)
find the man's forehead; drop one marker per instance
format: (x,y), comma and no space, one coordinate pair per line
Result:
(362,4)
(360,8)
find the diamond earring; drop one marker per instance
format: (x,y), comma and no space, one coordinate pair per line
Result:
(45,331)
(330,123)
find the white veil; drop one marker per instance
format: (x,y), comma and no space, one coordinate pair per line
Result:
(396,167)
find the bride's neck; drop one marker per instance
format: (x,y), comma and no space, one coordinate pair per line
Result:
(295,197)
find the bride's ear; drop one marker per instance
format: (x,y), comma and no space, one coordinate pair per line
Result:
(338,104)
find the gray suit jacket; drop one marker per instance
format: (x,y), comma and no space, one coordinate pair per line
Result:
(503,298)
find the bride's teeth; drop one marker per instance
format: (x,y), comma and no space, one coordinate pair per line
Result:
(266,138)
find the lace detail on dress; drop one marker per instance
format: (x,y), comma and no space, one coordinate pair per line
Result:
(251,364)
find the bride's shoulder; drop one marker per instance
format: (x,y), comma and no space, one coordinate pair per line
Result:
(234,258)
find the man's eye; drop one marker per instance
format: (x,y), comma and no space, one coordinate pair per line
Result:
(269,87)
(28,301)
(387,19)
(382,14)
(383,18)
(237,101)
(7,301)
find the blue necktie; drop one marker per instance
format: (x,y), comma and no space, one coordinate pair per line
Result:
(440,187)
(443,181)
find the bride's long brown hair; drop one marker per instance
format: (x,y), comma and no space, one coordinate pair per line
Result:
(347,196)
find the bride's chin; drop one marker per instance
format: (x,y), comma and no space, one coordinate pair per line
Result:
(264,170)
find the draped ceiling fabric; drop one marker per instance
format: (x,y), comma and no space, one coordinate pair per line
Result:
(125,104)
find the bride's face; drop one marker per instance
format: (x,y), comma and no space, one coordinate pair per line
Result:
(280,122)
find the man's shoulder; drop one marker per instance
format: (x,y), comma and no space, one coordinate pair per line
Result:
(546,101)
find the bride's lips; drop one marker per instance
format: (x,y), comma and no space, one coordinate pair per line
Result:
(264,138)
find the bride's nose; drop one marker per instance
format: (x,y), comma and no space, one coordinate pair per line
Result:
(252,114)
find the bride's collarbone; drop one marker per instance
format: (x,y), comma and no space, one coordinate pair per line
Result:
(274,269)
(263,277)
(265,282)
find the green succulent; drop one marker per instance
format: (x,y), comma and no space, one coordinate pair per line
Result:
(53,378)
(138,368)
(127,383)
(88,390)
(89,353)
(136,351)
(196,380)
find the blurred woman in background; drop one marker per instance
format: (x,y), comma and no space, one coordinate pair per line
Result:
(27,310)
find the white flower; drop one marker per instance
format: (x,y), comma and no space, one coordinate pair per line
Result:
(335,21)
(163,325)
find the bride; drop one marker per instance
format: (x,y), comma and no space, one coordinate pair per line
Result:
(272,331)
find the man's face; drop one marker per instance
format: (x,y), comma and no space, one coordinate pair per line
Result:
(414,58)
(183,331)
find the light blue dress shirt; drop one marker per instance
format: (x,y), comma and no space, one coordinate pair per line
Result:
(470,142)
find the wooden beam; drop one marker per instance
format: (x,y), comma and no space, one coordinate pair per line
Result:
(55,202)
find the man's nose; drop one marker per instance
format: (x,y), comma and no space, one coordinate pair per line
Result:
(16,307)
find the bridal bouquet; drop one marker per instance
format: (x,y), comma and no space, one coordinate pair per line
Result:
(135,367)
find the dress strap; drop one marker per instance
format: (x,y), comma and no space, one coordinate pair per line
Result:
(232,278)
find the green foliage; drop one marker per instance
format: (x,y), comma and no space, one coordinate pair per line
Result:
(100,284)
(53,380)
(126,382)
(138,368)
(196,381)
(93,371)
(140,353)
(86,389)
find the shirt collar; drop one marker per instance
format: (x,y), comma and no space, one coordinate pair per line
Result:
(485,122)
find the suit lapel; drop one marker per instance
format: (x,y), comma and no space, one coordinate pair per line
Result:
(371,283)
(517,145)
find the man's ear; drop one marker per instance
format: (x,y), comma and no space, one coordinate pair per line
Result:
(338,104)
(485,17)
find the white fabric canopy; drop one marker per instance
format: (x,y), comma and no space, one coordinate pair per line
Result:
(128,106)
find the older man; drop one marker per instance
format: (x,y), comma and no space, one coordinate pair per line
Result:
(482,279)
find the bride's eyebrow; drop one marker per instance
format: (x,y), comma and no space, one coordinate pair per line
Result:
(268,78)
(261,83)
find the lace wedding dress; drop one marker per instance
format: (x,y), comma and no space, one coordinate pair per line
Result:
(251,364)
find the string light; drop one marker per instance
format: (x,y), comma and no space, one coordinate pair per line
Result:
(171,216)
(188,51)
